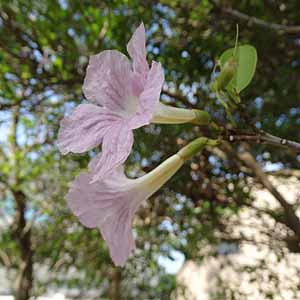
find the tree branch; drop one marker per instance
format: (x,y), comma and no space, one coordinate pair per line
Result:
(286,173)
(6,261)
(291,219)
(287,29)
(264,138)
(175,95)
(5,106)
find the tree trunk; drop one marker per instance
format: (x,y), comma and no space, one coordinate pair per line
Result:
(21,232)
(114,292)
(23,237)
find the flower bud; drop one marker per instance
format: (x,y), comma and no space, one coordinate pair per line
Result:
(226,75)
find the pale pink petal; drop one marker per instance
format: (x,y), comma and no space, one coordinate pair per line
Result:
(84,204)
(110,205)
(84,128)
(109,80)
(93,203)
(149,96)
(117,232)
(136,48)
(116,147)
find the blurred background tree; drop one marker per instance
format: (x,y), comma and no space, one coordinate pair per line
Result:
(44,49)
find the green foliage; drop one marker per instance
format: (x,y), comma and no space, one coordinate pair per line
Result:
(246,58)
(44,49)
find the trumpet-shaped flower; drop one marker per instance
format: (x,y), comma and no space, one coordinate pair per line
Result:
(125,96)
(110,204)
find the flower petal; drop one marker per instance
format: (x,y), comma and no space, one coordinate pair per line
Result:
(116,147)
(149,97)
(117,232)
(110,205)
(84,128)
(82,200)
(109,80)
(136,48)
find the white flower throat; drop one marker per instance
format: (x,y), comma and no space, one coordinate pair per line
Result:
(130,108)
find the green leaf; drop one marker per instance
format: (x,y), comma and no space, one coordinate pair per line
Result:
(27,122)
(246,57)
(58,63)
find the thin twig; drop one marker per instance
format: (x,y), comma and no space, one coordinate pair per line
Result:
(264,138)
(176,95)
(289,29)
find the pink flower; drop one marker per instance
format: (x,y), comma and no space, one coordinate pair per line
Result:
(125,96)
(110,204)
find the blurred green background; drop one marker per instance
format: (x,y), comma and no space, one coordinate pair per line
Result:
(44,49)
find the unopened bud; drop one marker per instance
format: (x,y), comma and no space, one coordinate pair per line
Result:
(226,75)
